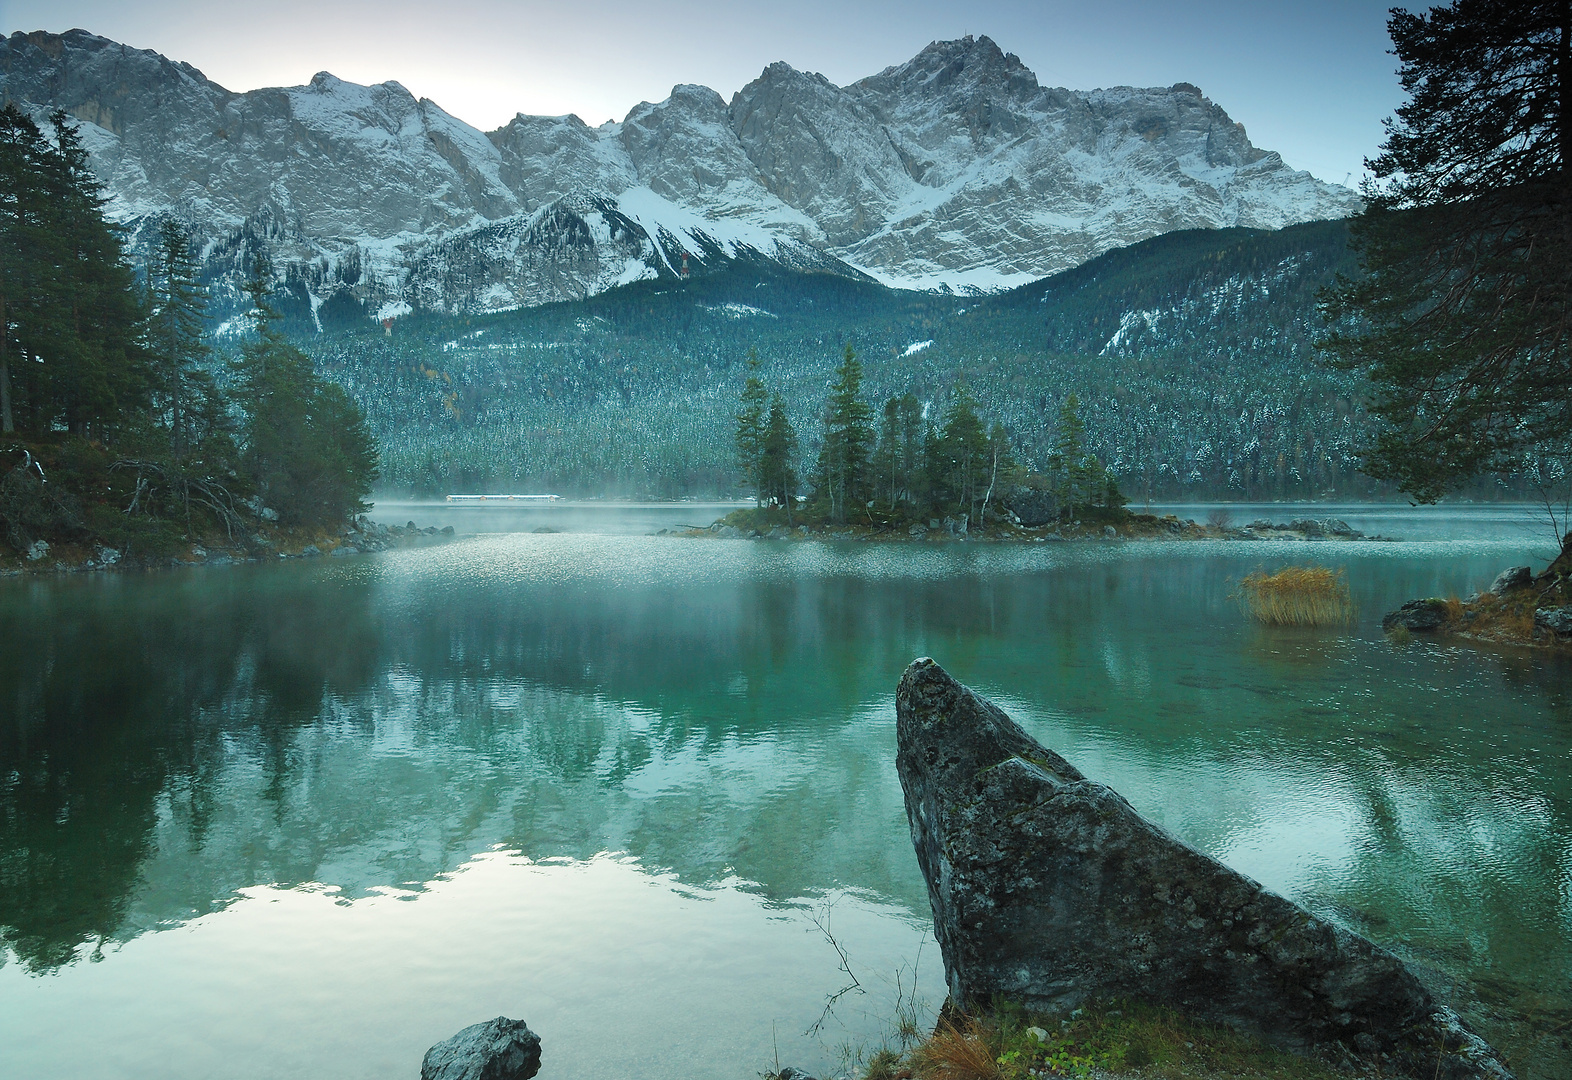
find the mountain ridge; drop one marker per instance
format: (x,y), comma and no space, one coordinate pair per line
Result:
(954,170)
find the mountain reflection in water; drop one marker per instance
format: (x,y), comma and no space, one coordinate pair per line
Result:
(721,712)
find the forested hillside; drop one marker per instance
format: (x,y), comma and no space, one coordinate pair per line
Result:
(1191,355)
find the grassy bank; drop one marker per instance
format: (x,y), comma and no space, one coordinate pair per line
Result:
(1115,1039)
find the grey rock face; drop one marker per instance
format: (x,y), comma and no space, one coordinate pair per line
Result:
(1034,507)
(1556,620)
(499,1049)
(1050,889)
(1419,616)
(955,168)
(1513,577)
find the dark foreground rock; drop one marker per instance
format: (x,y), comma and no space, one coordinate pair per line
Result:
(1420,616)
(1049,889)
(499,1049)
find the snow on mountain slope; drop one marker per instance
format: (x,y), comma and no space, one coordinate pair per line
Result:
(955,169)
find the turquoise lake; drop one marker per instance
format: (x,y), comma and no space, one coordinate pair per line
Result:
(310,818)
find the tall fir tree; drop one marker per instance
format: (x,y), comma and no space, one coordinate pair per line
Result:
(97,366)
(306,446)
(778,451)
(177,316)
(751,427)
(898,458)
(25,269)
(842,478)
(964,455)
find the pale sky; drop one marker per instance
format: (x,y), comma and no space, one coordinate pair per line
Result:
(1311,80)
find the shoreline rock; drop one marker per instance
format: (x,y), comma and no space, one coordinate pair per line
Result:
(1519,608)
(362,537)
(1049,889)
(500,1049)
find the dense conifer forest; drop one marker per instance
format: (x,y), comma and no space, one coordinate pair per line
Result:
(1192,357)
(122,431)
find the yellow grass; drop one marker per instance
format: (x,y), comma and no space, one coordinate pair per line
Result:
(964,1053)
(1298,596)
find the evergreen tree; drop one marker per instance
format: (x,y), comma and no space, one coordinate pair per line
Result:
(184,389)
(843,476)
(307,449)
(751,428)
(24,267)
(1463,317)
(94,367)
(777,476)
(1067,463)
(963,456)
(899,456)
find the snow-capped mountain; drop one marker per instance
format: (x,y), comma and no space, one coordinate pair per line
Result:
(955,169)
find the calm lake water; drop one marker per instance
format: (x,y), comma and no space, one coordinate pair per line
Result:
(309,819)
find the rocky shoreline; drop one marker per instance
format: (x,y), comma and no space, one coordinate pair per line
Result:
(1519,608)
(265,545)
(1010,529)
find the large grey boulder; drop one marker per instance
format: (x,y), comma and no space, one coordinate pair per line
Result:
(499,1049)
(1513,577)
(1050,889)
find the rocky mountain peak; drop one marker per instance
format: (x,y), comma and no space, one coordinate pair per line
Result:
(955,169)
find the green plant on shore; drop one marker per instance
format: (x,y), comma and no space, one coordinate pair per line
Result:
(1297,596)
(1009,1042)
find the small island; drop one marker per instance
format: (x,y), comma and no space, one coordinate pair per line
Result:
(910,478)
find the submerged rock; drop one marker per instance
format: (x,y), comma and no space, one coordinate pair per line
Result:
(1051,890)
(499,1049)
(1420,616)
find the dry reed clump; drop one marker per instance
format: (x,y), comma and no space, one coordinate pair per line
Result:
(1298,596)
(1496,618)
(968,1052)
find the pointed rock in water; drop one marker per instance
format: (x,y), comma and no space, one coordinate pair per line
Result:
(499,1049)
(1051,890)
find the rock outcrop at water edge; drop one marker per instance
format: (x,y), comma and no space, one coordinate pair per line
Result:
(499,1049)
(1051,890)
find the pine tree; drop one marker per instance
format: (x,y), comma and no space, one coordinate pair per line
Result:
(184,388)
(1463,317)
(751,427)
(24,268)
(95,367)
(899,455)
(307,448)
(777,476)
(964,453)
(1067,463)
(842,477)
